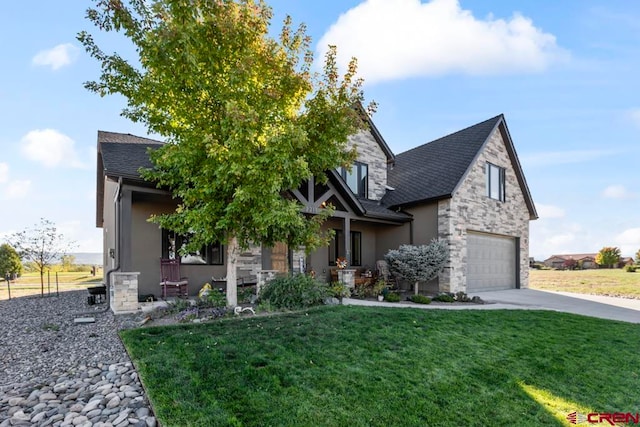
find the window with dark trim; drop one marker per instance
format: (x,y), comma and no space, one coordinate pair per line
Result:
(495,182)
(357,179)
(207,255)
(356,248)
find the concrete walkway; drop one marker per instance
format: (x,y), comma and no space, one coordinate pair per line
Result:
(622,309)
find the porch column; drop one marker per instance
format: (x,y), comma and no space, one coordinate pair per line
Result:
(347,240)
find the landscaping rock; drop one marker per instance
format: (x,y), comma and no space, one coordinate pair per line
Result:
(61,376)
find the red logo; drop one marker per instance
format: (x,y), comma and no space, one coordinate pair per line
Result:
(610,418)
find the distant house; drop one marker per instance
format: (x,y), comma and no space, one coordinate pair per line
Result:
(467,188)
(625,261)
(585,261)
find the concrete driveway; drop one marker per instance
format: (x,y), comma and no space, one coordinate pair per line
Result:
(623,309)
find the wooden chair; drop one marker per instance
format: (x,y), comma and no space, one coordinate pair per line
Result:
(171,282)
(382,269)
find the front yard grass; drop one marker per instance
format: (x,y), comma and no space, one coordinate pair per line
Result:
(609,282)
(363,366)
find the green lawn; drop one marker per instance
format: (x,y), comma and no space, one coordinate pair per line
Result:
(610,282)
(362,366)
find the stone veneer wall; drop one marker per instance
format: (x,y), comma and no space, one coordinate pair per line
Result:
(370,153)
(471,209)
(297,255)
(250,262)
(123,292)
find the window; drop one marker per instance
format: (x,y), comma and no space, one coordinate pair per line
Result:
(356,248)
(357,179)
(495,182)
(207,255)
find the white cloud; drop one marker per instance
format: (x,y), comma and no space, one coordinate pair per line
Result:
(17,189)
(617,192)
(549,211)
(629,241)
(51,148)
(56,57)
(4,173)
(395,39)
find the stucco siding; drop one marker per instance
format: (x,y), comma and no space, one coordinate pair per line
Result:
(470,209)
(425,223)
(109,225)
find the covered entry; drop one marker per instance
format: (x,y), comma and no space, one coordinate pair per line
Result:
(491,262)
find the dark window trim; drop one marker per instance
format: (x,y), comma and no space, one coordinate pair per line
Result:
(212,254)
(362,179)
(334,247)
(501,181)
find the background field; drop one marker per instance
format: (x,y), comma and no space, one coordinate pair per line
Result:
(613,282)
(609,282)
(29,283)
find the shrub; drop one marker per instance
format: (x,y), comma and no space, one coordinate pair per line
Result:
(213,298)
(462,297)
(444,298)
(245,295)
(420,299)
(339,290)
(630,268)
(418,263)
(392,297)
(293,293)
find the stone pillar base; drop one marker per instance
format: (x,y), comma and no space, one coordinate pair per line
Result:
(123,292)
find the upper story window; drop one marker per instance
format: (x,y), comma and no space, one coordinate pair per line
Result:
(357,179)
(495,182)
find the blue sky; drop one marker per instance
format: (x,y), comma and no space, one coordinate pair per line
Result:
(563,73)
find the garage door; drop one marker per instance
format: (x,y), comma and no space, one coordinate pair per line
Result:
(491,262)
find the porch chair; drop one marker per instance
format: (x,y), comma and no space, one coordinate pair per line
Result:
(171,282)
(382,269)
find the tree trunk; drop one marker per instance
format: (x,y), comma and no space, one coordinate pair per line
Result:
(232,280)
(416,288)
(42,283)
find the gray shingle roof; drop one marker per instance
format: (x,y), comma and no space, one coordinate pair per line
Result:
(375,210)
(124,154)
(433,170)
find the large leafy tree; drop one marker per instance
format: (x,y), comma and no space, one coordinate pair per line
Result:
(9,260)
(608,256)
(41,245)
(244,116)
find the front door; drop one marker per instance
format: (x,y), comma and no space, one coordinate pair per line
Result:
(279,258)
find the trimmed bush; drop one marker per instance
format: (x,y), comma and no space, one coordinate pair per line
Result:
(418,263)
(293,293)
(444,298)
(392,297)
(420,299)
(630,268)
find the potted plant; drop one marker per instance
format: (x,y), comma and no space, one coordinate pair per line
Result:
(379,289)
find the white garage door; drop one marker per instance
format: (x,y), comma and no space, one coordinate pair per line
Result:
(491,262)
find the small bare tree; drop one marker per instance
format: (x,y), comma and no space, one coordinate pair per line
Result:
(41,245)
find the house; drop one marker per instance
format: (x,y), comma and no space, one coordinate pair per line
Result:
(584,261)
(467,187)
(625,261)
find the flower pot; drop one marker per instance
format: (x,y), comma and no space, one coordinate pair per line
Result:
(380,298)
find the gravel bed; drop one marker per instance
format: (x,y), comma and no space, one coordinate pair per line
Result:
(54,372)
